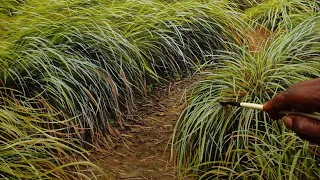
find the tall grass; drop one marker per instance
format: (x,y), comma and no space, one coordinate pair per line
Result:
(216,142)
(9,7)
(31,146)
(89,59)
(245,4)
(75,69)
(282,13)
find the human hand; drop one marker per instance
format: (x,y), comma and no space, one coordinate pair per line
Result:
(301,97)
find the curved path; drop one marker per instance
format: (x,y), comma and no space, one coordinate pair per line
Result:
(146,152)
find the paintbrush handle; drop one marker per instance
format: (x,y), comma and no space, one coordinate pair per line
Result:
(252,106)
(313,116)
(260,107)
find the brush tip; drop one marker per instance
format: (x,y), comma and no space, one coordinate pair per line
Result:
(230,103)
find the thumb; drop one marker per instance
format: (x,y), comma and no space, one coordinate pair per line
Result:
(306,128)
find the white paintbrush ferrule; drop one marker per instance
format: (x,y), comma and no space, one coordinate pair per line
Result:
(252,106)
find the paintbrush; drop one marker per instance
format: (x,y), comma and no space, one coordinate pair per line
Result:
(260,107)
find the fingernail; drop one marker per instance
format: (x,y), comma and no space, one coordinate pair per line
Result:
(287,121)
(265,105)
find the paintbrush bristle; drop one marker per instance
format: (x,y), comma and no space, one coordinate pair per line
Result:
(230,103)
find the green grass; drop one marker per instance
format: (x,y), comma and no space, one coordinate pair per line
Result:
(10,7)
(31,146)
(276,14)
(87,62)
(76,69)
(216,142)
(90,60)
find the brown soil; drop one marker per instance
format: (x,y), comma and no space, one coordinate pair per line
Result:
(146,153)
(257,39)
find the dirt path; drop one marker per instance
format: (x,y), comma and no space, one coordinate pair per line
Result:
(146,153)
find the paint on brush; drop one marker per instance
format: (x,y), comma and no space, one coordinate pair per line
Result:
(230,103)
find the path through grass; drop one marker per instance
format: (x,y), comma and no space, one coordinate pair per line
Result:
(146,151)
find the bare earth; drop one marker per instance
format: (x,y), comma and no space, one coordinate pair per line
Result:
(147,150)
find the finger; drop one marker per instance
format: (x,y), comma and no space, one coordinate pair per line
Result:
(275,115)
(310,82)
(310,139)
(267,107)
(287,121)
(270,105)
(306,128)
(300,99)
(293,100)
(307,93)
(275,105)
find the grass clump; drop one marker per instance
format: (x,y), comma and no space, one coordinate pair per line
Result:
(216,142)
(88,61)
(10,7)
(275,14)
(91,59)
(245,4)
(31,148)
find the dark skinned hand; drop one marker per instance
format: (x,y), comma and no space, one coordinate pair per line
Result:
(303,97)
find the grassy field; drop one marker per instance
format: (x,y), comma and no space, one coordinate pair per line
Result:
(215,142)
(72,70)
